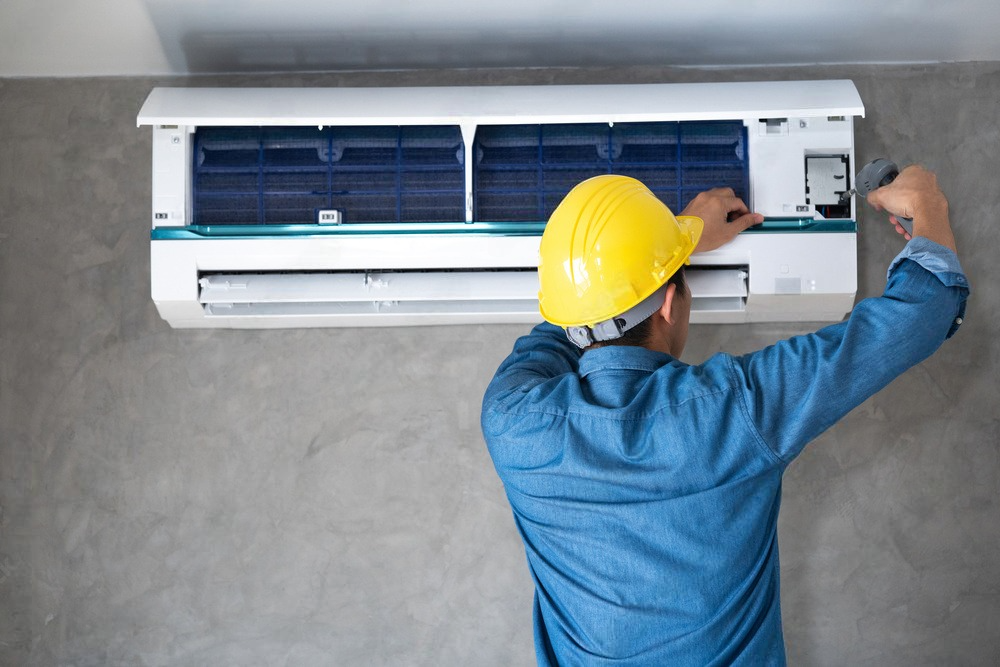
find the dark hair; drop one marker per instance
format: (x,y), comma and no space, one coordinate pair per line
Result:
(638,335)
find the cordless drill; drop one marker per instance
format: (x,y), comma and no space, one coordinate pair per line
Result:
(877,173)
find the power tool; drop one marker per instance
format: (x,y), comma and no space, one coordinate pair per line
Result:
(877,173)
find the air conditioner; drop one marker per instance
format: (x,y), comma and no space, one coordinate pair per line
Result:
(400,206)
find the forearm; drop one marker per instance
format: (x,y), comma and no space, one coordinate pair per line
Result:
(932,222)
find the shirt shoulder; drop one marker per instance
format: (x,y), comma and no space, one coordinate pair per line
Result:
(626,403)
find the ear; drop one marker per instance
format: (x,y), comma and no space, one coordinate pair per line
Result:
(666,310)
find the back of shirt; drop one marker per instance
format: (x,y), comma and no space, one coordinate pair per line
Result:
(648,508)
(646,491)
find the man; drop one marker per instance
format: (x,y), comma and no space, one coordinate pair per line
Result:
(646,491)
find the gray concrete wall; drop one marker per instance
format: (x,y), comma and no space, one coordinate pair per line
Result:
(325,498)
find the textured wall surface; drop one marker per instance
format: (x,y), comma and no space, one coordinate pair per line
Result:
(325,497)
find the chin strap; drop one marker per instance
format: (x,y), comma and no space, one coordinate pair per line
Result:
(583,336)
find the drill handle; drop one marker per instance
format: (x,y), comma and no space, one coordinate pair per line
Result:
(905,223)
(893,172)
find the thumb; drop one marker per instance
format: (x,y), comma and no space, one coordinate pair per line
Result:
(748,220)
(875,199)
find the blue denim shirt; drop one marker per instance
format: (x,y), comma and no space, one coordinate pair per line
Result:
(646,490)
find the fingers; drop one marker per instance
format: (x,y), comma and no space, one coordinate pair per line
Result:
(727,198)
(899,228)
(886,198)
(722,205)
(876,198)
(734,204)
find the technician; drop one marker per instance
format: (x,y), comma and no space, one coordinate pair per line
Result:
(646,490)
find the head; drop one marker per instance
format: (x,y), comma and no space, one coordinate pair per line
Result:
(667,328)
(611,269)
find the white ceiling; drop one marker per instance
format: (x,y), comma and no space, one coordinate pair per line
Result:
(151,37)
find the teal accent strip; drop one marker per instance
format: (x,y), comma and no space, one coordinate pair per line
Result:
(804,225)
(192,232)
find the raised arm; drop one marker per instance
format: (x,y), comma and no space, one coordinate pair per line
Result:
(797,388)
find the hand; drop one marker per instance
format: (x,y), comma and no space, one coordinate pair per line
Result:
(915,194)
(715,207)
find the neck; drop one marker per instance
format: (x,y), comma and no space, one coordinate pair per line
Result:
(666,338)
(665,347)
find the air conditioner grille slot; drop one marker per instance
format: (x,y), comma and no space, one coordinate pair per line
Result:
(522,172)
(284,175)
(412,310)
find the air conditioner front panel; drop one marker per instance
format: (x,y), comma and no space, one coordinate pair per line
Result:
(366,206)
(500,105)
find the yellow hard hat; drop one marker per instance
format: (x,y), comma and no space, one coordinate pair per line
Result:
(609,245)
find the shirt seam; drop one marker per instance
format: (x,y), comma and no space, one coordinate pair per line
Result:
(507,409)
(758,437)
(620,370)
(634,366)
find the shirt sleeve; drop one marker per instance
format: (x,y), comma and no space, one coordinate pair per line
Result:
(543,354)
(536,363)
(796,389)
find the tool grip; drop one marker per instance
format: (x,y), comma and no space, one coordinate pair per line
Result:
(905,223)
(883,172)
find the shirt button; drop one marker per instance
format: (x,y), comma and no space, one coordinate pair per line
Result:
(958,321)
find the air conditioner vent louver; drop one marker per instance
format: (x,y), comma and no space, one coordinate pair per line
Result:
(718,289)
(425,297)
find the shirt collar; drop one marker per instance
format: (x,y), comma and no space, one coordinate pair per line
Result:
(622,357)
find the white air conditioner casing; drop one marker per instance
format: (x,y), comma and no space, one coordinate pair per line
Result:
(795,143)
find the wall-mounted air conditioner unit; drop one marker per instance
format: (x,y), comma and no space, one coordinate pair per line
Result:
(374,206)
